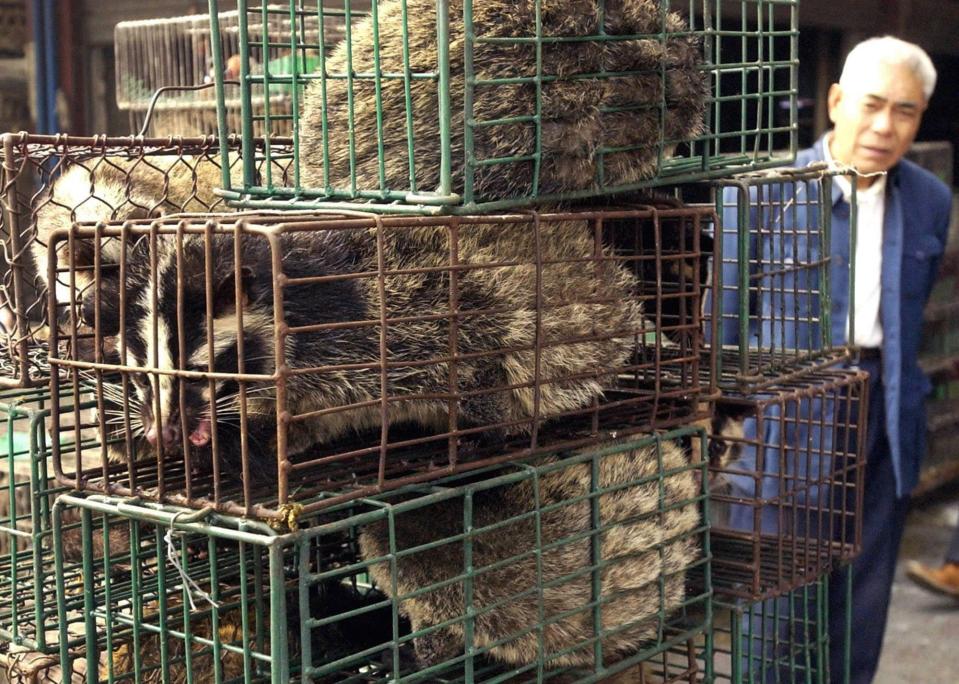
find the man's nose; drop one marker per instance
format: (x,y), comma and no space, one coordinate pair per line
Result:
(882,121)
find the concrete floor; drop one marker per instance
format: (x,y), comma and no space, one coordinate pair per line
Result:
(922,637)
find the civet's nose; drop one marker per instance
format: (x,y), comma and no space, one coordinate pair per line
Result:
(170,433)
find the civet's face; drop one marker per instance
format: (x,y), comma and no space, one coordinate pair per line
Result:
(167,332)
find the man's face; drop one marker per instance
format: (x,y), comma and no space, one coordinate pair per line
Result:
(876,118)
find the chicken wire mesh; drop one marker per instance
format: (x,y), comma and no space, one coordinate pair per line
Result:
(781,274)
(569,568)
(289,355)
(28,615)
(786,482)
(460,107)
(174,55)
(48,182)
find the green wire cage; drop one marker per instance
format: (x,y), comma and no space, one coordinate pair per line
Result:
(783,640)
(776,277)
(569,569)
(459,107)
(28,611)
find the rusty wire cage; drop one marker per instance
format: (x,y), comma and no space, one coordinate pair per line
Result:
(786,472)
(467,107)
(781,272)
(50,181)
(28,611)
(567,568)
(374,351)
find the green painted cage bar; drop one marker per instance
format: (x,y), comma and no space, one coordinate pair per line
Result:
(748,52)
(196,596)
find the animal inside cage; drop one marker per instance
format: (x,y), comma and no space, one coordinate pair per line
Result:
(464,107)
(28,611)
(285,355)
(786,473)
(784,640)
(783,273)
(51,181)
(176,55)
(566,568)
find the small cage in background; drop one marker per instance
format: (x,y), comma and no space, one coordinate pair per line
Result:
(51,181)
(28,611)
(176,54)
(786,473)
(778,277)
(466,107)
(568,568)
(368,352)
(784,640)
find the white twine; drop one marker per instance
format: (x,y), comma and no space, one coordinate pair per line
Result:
(173,555)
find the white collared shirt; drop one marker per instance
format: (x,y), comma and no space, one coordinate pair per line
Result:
(871,211)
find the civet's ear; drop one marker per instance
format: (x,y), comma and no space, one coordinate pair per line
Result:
(225,295)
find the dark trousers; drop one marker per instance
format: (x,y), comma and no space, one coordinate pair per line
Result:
(884,517)
(873,570)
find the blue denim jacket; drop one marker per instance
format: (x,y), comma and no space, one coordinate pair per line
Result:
(917,214)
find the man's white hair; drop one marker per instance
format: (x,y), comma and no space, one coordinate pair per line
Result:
(889,50)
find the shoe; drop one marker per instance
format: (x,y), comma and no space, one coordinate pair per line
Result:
(944,580)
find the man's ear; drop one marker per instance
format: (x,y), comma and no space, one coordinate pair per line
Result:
(833,99)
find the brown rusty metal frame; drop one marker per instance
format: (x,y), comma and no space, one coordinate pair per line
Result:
(29,162)
(663,388)
(817,509)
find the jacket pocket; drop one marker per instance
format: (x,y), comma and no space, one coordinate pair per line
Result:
(917,257)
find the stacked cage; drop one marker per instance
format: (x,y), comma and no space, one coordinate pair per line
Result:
(788,431)
(392,434)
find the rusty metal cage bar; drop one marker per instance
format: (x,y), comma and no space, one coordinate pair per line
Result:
(341,599)
(530,331)
(49,181)
(786,471)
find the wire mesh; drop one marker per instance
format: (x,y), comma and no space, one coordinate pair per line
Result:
(786,473)
(177,52)
(370,352)
(784,640)
(464,107)
(28,617)
(50,181)
(568,568)
(779,279)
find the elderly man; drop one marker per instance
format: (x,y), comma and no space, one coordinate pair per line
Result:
(903,220)
(903,215)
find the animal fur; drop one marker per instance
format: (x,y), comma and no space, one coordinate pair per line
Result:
(581,115)
(653,542)
(117,189)
(497,312)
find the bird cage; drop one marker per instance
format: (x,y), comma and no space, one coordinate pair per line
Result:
(172,59)
(571,567)
(463,107)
